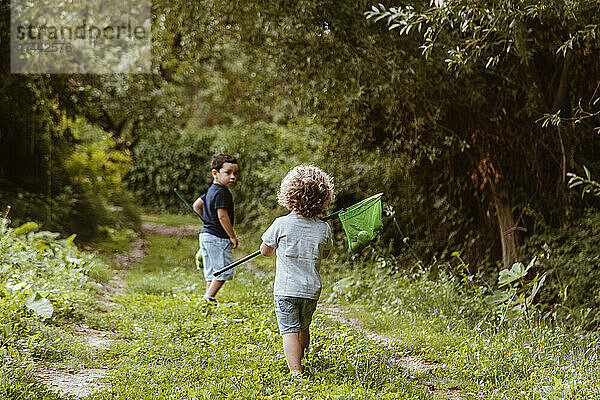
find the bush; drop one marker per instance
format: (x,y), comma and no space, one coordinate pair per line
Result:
(570,256)
(164,161)
(265,153)
(73,210)
(84,194)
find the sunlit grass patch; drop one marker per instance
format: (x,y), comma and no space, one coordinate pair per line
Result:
(437,322)
(172,344)
(170,268)
(173,219)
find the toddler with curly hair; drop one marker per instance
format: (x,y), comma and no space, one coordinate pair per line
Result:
(300,241)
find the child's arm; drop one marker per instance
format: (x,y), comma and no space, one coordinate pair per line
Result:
(267,250)
(328,242)
(197,206)
(226,224)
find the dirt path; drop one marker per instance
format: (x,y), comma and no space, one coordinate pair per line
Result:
(414,366)
(90,380)
(151,228)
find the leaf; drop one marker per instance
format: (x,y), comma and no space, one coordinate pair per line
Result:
(70,239)
(507,276)
(531,263)
(497,298)
(26,227)
(39,305)
(17,286)
(536,287)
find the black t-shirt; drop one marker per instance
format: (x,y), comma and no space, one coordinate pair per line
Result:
(216,197)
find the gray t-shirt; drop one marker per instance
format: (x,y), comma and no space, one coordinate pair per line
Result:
(300,244)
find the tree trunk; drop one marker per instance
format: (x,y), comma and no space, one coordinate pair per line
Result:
(507,227)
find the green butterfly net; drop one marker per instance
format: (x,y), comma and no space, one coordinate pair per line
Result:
(362,222)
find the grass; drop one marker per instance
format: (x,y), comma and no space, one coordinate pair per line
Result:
(436,322)
(174,345)
(168,343)
(173,219)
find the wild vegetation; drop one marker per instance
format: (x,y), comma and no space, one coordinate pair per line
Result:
(478,120)
(166,342)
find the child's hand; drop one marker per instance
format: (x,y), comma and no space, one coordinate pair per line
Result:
(234,242)
(267,250)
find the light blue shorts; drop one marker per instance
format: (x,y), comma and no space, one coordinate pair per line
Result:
(216,254)
(294,314)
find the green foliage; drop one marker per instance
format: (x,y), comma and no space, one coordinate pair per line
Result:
(586,184)
(441,321)
(89,193)
(466,137)
(265,153)
(75,210)
(519,295)
(569,256)
(165,161)
(44,274)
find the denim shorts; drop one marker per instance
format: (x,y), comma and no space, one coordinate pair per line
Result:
(216,254)
(293,313)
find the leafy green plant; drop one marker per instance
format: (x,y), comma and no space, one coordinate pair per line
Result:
(587,184)
(570,257)
(43,277)
(519,294)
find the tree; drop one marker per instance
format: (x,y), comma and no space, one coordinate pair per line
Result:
(530,58)
(469,132)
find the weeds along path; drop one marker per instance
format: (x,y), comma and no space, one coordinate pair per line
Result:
(157,338)
(81,382)
(414,366)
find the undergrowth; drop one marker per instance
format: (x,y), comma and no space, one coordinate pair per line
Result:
(168,343)
(45,284)
(485,355)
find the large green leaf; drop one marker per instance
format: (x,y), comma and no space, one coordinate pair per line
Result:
(518,271)
(497,298)
(39,305)
(26,227)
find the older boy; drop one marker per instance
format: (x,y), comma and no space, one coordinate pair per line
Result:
(300,241)
(217,237)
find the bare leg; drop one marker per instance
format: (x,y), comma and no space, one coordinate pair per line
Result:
(208,285)
(293,351)
(304,338)
(214,288)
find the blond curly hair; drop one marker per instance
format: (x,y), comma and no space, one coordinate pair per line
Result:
(306,190)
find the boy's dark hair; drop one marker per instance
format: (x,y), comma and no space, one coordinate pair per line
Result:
(220,159)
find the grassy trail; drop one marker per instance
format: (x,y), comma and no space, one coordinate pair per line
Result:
(150,336)
(164,342)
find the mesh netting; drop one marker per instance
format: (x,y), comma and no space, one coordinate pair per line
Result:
(362,222)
